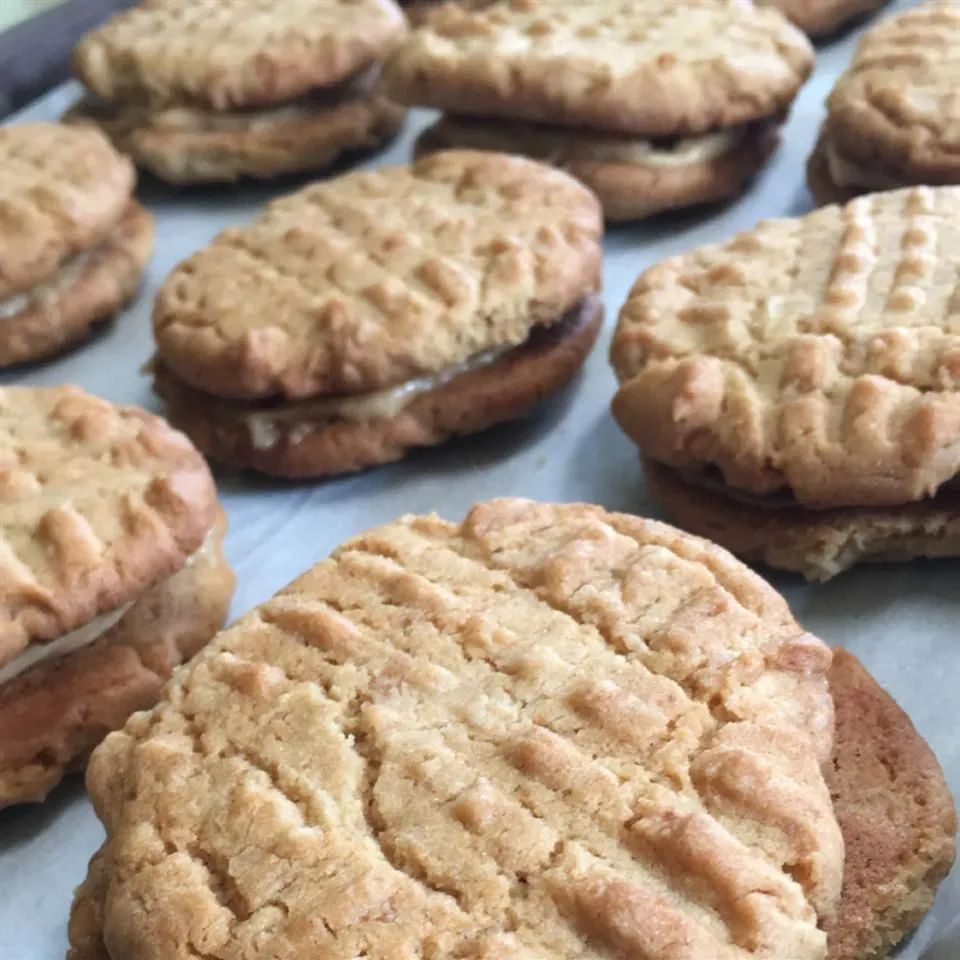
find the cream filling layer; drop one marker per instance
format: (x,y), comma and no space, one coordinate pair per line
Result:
(68,643)
(845,173)
(189,118)
(49,290)
(559,146)
(267,427)
(83,636)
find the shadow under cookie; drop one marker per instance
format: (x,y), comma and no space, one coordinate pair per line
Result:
(327,436)
(816,543)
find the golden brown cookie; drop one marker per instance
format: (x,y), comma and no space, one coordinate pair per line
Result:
(62,192)
(893,118)
(642,67)
(899,843)
(87,289)
(817,355)
(229,54)
(632,177)
(338,435)
(896,812)
(182,145)
(546,732)
(820,17)
(820,544)
(54,713)
(98,503)
(373,278)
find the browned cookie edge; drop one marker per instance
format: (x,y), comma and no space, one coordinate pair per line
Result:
(816,543)
(896,813)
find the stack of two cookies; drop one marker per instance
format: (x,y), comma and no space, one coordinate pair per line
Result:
(381,311)
(893,119)
(111,574)
(544,733)
(196,90)
(796,391)
(653,104)
(73,240)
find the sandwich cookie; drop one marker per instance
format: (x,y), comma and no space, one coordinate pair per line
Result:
(546,732)
(796,390)
(817,18)
(216,90)
(73,241)
(654,105)
(111,574)
(893,118)
(380,311)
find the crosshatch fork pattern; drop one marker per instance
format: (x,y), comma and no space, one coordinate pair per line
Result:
(898,104)
(62,190)
(381,276)
(97,503)
(820,354)
(549,731)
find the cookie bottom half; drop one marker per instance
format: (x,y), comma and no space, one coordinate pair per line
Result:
(296,441)
(63,310)
(819,18)
(189,147)
(632,178)
(53,714)
(890,797)
(834,177)
(895,811)
(816,543)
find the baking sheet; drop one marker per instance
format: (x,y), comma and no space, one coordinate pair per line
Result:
(902,621)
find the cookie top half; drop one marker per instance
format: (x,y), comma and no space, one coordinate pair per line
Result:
(546,732)
(643,67)
(97,503)
(373,278)
(898,104)
(819,354)
(62,190)
(225,54)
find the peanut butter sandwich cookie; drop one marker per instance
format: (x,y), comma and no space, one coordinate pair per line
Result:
(820,17)
(796,390)
(654,105)
(893,119)
(111,574)
(380,311)
(73,241)
(215,90)
(549,732)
